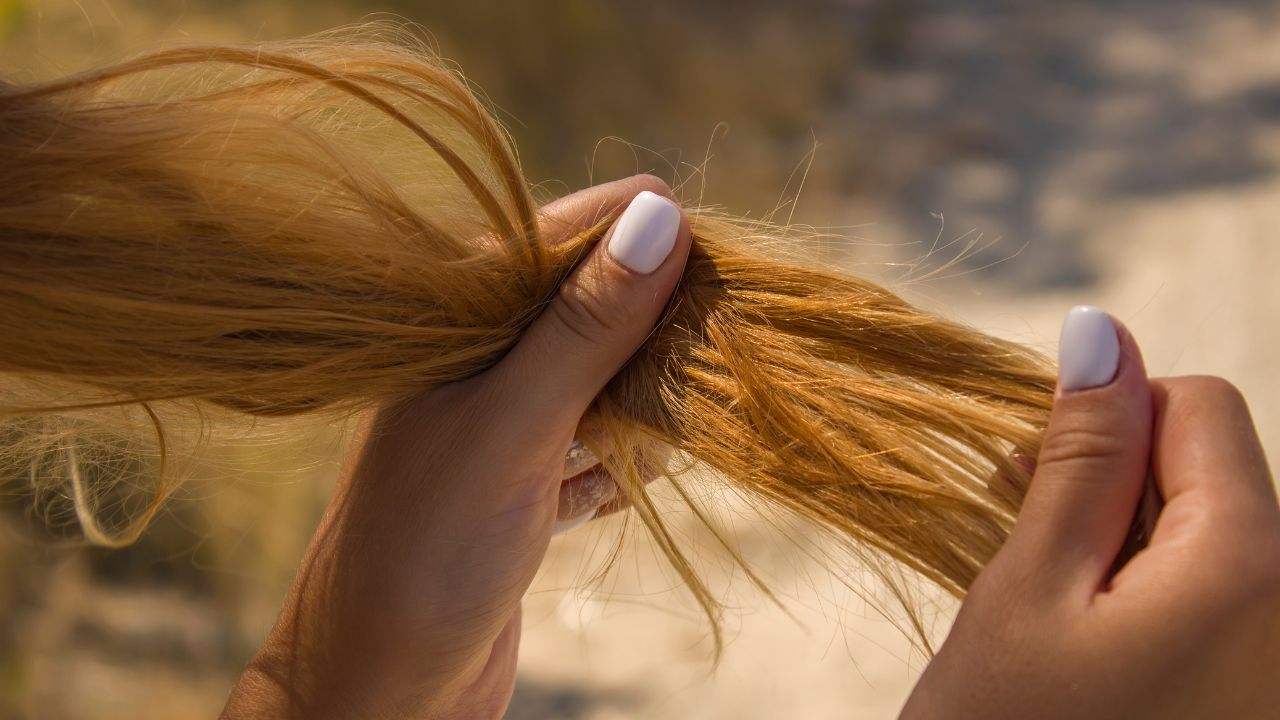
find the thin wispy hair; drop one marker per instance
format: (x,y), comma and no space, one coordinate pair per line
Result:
(205,235)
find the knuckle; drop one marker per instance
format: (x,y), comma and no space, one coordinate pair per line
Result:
(1079,442)
(1211,387)
(1207,391)
(583,309)
(1194,398)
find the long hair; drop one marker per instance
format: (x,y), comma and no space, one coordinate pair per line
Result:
(311,228)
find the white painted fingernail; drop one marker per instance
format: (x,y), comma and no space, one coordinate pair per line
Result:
(645,233)
(1089,349)
(564,526)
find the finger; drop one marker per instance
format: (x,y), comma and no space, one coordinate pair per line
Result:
(563,218)
(1206,445)
(1094,459)
(587,489)
(579,459)
(655,466)
(584,485)
(618,504)
(602,313)
(582,497)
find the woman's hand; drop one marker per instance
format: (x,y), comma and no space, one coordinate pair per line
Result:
(408,602)
(1190,626)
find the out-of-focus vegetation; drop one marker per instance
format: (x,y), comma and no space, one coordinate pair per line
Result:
(588,89)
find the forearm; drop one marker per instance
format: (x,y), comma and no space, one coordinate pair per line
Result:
(327,658)
(259,694)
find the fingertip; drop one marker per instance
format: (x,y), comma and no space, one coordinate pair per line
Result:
(1132,364)
(645,233)
(1088,349)
(1096,351)
(603,312)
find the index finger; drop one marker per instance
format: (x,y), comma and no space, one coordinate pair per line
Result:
(1205,442)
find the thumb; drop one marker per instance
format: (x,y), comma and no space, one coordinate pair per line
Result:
(1093,463)
(601,315)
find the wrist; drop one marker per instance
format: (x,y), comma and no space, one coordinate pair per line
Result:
(263,691)
(280,682)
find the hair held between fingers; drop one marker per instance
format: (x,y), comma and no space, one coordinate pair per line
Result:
(203,236)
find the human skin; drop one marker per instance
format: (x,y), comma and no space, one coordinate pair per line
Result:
(407,604)
(1189,627)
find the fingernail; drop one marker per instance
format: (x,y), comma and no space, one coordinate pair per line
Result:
(1089,349)
(645,233)
(564,526)
(578,460)
(582,497)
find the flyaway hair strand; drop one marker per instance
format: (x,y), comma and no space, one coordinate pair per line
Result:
(317,227)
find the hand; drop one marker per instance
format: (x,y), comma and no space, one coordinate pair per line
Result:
(408,602)
(1190,626)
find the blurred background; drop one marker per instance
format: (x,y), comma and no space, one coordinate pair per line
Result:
(1035,154)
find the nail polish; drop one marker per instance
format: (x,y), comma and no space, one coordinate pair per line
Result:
(1089,349)
(646,232)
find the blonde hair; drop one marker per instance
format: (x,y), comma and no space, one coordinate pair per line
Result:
(325,225)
